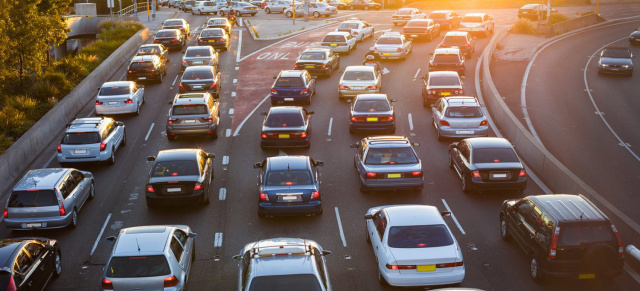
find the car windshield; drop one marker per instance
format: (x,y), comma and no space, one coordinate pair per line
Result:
(140,266)
(419,236)
(217,22)
(573,234)
(141,66)
(312,56)
(371,106)
(417,23)
(175,168)
(463,112)
(38,198)
(450,40)
(114,90)
(288,178)
(212,32)
(437,15)
(198,53)
(616,53)
(348,26)
(143,51)
(389,40)
(333,38)
(321,4)
(358,76)
(289,82)
(197,75)
(190,109)
(495,155)
(173,23)
(448,58)
(166,33)
(307,282)
(391,156)
(284,120)
(472,19)
(531,6)
(81,138)
(444,81)
(404,12)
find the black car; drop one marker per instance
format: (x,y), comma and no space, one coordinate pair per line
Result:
(201,79)
(214,37)
(318,61)
(289,185)
(156,50)
(179,176)
(421,28)
(179,24)
(372,112)
(616,60)
(29,263)
(286,126)
(171,38)
(364,4)
(564,236)
(146,68)
(219,23)
(447,59)
(487,163)
(634,38)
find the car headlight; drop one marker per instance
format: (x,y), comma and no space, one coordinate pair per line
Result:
(604,65)
(626,66)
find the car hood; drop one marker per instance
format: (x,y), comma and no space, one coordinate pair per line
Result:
(493,166)
(616,61)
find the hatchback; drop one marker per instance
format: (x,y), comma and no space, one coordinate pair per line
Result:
(214,37)
(119,97)
(392,45)
(616,60)
(387,163)
(436,85)
(154,49)
(201,79)
(220,22)
(487,163)
(285,127)
(283,264)
(204,7)
(153,257)
(293,86)
(48,198)
(318,61)
(413,246)
(289,185)
(146,68)
(29,263)
(179,176)
(171,38)
(372,112)
(533,12)
(193,114)
(459,117)
(91,139)
(461,40)
(188,5)
(447,59)
(199,56)
(447,19)
(241,8)
(339,42)
(359,80)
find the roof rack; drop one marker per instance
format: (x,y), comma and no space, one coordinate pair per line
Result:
(82,122)
(461,99)
(281,250)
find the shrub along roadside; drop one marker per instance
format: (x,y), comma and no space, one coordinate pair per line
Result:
(19,113)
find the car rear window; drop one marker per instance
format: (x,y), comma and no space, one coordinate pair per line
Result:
(166,33)
(444,81)
(391,156)
(307,282)
(419,236)
(143,51)
(212,32)
(312,56)
(389,40)
(358,76)
(348,26)
(289,82)
(454,40)
(437,15)
(37,198)
(173,22)
(141,66)
(472,19)
(448,58)
(197,75)
(417,23)
(616,53)
(530,6)
(371,106)
(463,112)
(404,12)
(114,90)
(81,138)
(175,168)
(204,52)
(137,267)
(495,155)
(189,109)
(573,234)
(217,22)
(288,178)
(284,120)
(334,38)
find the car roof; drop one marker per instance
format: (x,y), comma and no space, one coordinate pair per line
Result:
(285,109)
(145,58)
(446,51)
(489,142)
(191,98)
(118,84)
(142,240)
(359,68)
(216,18)
(281,265)
(343,33)
(437,74)
(212,28)
(181,19)
(89,124)
(475,14)
(456,33)
(291,73)
(201,47)
(177,155)
(568,207)
(177,31)
(280,163)
(269,256)
(372,97)
(413,215)
(352,21)
(617,48)
(455,101)
(41,179)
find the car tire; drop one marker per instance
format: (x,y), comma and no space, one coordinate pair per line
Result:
(268,11)
(504,231)
(289,14)
(351,131)
(112,158)
(466,187)
(57,265)
(450,162)
(440,138)
(486,33)
(430,38)
(534,269)
(316,14)
(74,219)
(150,202)
(92,192)
(124,139)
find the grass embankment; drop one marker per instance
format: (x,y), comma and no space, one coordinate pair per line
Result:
(526,26)
(20,111)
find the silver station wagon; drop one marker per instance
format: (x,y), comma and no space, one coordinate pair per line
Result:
(48,198)
(119,97)
(93,139)
(458,117)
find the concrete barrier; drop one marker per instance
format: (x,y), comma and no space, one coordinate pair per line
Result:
(575,23)
(44,135)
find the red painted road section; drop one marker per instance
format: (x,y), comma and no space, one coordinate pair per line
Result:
(255,73)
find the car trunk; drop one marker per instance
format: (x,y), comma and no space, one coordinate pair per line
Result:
(284,91)
(372,117)
(388,48)
(195,85)
(173,186)
(139,284)
(166,40)
(577,238)
(289,194)
(81,145)
(425,258)
(357,85)
(283,133)
(196,61)
(496,172)
(310,65)
(114,101)
(33,204)
(407,29)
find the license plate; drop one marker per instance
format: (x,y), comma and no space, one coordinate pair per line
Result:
(426,268)
(174,189)
(372,119)
(310,66)
(113,102)
(196,87)
(289,197)
(586,276)
(464,132)
(166,41)
(189,121)
(414,35)
(445,93)
(80,151)
(394,175)
(212,40)
(283,135)
(357,88)
(288,99)
(386,54)
(142,78)
(333,44)
(32,225)
(614,69)
(197,62)
(499,175)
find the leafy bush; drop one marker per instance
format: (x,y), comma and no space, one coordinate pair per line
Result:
(13,122)
(557,17)
(71,67)
(58,80)
(23,103)
(5,142)
(43,91)
(524,26)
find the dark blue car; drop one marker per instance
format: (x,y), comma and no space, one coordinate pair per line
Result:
(372,112)
(293,86)
(289,186)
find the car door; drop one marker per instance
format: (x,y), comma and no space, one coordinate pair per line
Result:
(74,198)
(181,257)
(366,29)
(436,112)
(360,159)
(83,188)
(307,117)
(380,223)
(43,264)
(188,245)
(519,227)
(311,81)
(23,272)
(461,157)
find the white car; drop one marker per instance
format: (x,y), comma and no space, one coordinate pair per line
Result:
(241,8)
(119,97)
(478,23)
(359,29)
(403,15)
(339,42)
(413,246)
(316,9)
(279,6)
(359,80)
(204,7)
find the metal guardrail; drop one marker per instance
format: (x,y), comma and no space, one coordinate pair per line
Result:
(128,11)
(633,257)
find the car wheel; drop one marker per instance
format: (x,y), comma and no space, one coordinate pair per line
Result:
(450,162)
(351,131)
(124,139)
(504,231)
(355,45)
(466,187)
(486,33)
(74,219)
(534,269)
(363,188)
(112,158)
(57,270)
(92,191)
(381,279)
(289,14)
(193,12)
(268,11)
(430,38)
(150,202)
(316,14)
(308,101)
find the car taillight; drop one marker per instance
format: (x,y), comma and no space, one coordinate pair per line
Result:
(171,281)
(402,30)
(103,146)
(174,40)
(475,174)
(450,265)
(416,173)
(264,197)
(341,87)
(431,64)
(444,123)
(59,149)
(327,9)
(323,66)
(129,72)
(6,214)
(304,91)
(200,40)
(483,123)
(467,44)
(274,91)
(554,243)
(264,135)
(207,119)
(613,227)
(98,102)
(296,66)
(181,86)
(156,41)
(522,173)
(460,64)
(128,101)
(372,88)
(107,284)
(63,212)
(401,267)
(303,134)
(315,195)
(399,49)
(442,44)
(198,186)
(150,189)
(213,86)
(426,30)
(355,32)
(372,175)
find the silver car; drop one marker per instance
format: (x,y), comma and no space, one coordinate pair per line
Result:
(91,139)
(155,257)
(278,6)
(119,97)
(393,45)
(458,117)
(339,42)
(199,56)
(193,114)
(316,9)
(48,198)
(359,80)
(283,264)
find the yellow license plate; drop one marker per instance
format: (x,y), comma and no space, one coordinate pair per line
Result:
(333,44)
(387,54)
(587,276)
(372,119)
(426,268)
(283,135)
(394,176)
(445,93)
(310,66)
(212,41)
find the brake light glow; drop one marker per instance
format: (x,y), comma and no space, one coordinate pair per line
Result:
(274,91)
(372,88)
(460,64)
(198,186)
(59,149)
(315,195)
(296,66)
(107,284)
(341,87)
(323,66)
(156,41)
(63,212)
(150,188)
(483,123)
(442,44)
(103,146)
(207,119)
(554,243)
(399,49)
(615,231)
(475,174)
(129,72)
(174,40)
(416,173)
(12,285)
(372,175)
(304,91)
(450,265)
(98,102)
(171,281)
(181,86)
(431,64)
(264,197)
(444,123)
(303,134)
(467,44)
(6,214)
(522,173)
(128,101)
(400,267)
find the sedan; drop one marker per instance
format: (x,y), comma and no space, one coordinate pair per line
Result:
(634,38)
(461,40)
(359,80)
(286,127)
(278,6)
(293,86)
(219,23)
(436,85)
(179,176)
(289,185)
(487,163)
(364,4)
(413,246)
(171,38)
(358,28)
(447,59)
(179,24)
(198,56)
(421,28)
(316,9)
(201,79)
(616,60)
(372,112)
(29,263)
(214,37)
(154,49)
(318,61)
(241,8)
(119,97)
(403,15)
(392,45)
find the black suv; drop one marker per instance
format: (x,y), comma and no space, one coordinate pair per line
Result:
(29,263)
(564,236)
(146,68)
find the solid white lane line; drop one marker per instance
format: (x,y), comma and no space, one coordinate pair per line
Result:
(240,21)
(227,132)
(225,160)
(223,194)
(632,272)
(416,75)
(239,52)
(233,94)
(344,241)
(123,76)
(174,81)
(218,240)
(330,124)
(235,133)
(95,245)
(453,216)
(231,111)
(149,132)
(410,122)
(46,165)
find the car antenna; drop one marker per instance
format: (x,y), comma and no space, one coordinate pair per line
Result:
(581,215)
(287,167)
(137,243)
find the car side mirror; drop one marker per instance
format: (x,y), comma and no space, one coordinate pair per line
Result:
(237,258)
(48,247)
(416,144)
(211,155)
(394,100)
(274,77)
(319,163)
(431,53)
(257,165)
(193,235)
(120,123)
(445,213)
(263,113)
(353,146)
(111,239)
(326,253)
(368,216)
(151,158)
